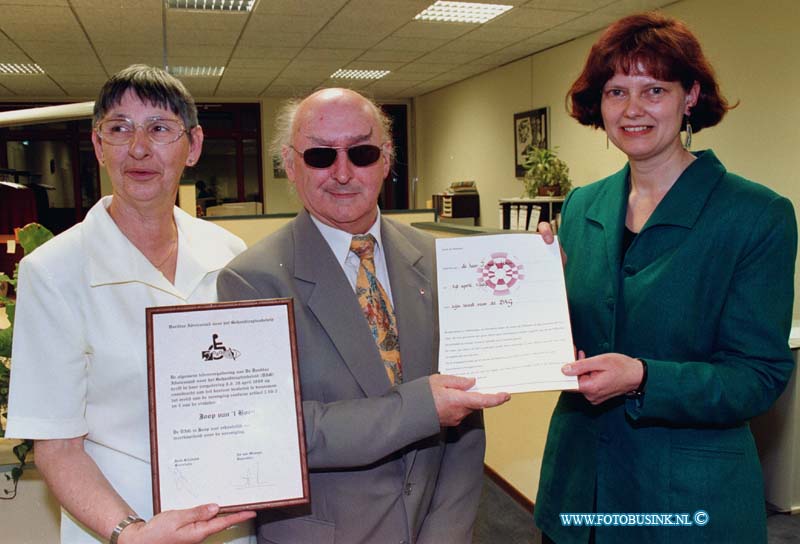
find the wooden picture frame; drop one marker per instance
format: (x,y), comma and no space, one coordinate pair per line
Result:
(226,418)
(531,129)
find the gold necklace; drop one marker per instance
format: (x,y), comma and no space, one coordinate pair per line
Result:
(171,251)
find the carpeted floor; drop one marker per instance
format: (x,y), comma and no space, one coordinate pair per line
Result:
(501,520)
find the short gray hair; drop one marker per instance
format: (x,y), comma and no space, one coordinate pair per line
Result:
(284,126)
(152,85)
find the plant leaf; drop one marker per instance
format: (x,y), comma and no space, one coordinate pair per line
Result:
(5,343)
(32,236)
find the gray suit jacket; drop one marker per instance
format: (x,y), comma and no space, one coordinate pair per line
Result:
(381,469)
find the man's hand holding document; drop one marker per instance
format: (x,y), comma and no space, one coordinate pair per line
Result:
(503,314)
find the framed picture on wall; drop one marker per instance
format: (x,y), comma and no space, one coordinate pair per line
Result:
(531,129)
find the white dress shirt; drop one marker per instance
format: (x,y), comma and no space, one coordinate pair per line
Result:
(79,357)
(339,242)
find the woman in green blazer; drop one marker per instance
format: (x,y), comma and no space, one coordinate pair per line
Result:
(680,283)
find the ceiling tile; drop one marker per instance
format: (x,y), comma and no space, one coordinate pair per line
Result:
(266,53)
(241,86)
(397,43)
(26,23)
(441,56)
(388,56)
(500,34)
(426,68)
(362,40)
(263,64)
(426,29)
(288,90)
(627,7)
(568,5)
(31,85)
(301,68)
(133,51)
(285,46)
(589,22)
(198,55)
(339,55)
(535,19)
(86,67)
(284,38)
(262,74)
(372,65)
(115,63)
(265,25)
(410,77)
(200,86)
(30,3)
(467,45)
(322,8)
(10,52)
(207,20)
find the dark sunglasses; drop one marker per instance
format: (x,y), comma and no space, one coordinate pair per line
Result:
(323,157)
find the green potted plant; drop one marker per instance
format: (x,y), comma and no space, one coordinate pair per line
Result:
(545,174)
(30,237)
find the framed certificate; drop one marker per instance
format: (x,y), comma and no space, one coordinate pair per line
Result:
(226,422)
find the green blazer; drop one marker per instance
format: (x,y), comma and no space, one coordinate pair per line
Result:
(704,295)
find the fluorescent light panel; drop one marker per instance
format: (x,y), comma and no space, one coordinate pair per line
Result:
(196,71)
(462,12)
(212,5)
(358,74)
(16,69)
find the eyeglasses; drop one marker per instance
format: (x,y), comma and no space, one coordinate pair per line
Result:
(323,157)
(121,131)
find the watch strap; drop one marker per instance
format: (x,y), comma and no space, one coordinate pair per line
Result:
(121,527)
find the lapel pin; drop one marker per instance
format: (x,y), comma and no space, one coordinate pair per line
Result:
(422,292)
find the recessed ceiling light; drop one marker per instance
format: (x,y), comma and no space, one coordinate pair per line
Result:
(196,71)
(358,74)
(15,69)
(212,5)
(462,12)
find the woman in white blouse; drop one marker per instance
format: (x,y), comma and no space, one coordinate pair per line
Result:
(79,379)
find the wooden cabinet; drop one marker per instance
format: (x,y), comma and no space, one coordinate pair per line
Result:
(449,206)
(525,208)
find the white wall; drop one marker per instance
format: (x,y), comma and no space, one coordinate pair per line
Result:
(465,131)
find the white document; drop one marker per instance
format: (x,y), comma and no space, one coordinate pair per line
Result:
(523,217)
(514,217)
(503,315)
(536,213)
(226,420)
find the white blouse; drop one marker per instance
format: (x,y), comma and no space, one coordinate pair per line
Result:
(79,363)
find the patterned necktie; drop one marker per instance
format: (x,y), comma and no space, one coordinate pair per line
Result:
(376,307)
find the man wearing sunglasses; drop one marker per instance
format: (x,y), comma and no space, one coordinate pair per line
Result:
(395,451)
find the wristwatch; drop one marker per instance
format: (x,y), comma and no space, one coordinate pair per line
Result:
(639,391)
(121,527)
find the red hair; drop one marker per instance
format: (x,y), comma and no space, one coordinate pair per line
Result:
(658,46)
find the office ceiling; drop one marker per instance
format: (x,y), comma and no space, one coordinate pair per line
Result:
(281,48)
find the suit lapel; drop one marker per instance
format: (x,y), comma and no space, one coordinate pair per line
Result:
(412,295)
(684,202)
(333,303)
(608,211)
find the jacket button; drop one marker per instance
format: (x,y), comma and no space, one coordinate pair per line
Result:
(407,489)
(610,302)
(629,270)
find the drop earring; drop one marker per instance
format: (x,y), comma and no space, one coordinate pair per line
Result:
(687,143)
